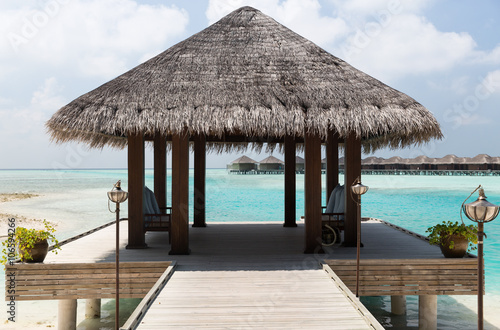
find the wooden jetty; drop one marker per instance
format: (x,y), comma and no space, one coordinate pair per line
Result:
(250,275)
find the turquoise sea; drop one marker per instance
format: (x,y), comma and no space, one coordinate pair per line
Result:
(76,200)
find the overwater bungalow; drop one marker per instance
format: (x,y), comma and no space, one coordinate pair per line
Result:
(242,164)
(271,164)
(299,164)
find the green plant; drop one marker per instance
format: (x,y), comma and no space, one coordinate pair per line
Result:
(439,233)
(19,243)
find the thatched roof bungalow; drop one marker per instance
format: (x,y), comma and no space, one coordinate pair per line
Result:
(271,163)
(242,164)
(244,81)
(299,164)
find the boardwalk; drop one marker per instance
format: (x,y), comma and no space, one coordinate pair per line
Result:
(252,299)
(248,275)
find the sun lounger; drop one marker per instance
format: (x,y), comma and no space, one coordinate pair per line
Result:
(333,217)
(155,219)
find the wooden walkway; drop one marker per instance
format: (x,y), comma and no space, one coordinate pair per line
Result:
(252,299)
(248,275)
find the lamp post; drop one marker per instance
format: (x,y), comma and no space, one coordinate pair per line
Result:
(117,195)
(480,211)
(358,189)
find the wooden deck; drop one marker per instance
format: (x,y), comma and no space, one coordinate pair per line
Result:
(249,275)
(252,299)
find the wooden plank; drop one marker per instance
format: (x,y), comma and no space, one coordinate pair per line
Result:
(352,169)
(180,194)
(290,183)
(160,170)
(60,281)
(199,180)
(312,191)
(409,276)
(136,238)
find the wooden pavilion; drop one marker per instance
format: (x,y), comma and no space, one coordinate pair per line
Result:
(245,81)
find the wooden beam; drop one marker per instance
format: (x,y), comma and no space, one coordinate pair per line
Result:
(332,163)
(290,184)
(136,235)
(352,169)
(179,238)
(312,192)
(200,165)
(160,170)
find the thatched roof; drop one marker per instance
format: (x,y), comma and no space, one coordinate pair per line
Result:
(372,160)
(245,78)
(271,160)
(421,160)
(244,160)
(299,160)
(480,159)
(449,159)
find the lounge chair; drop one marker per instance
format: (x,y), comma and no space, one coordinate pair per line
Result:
(333,217)
(155,219)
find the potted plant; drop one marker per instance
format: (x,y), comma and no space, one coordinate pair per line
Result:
(453,238)
(29,245)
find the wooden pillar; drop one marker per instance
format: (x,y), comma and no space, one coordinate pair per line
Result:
(136,235)
(352,169)
(180,194)
(66,315)
(398,305)
(332,163)
(92,308)
(290,185)
(200,165)
(312,192)
(160,170)
(427,312)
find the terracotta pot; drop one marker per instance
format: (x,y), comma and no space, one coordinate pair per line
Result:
(37,252)
(460,247)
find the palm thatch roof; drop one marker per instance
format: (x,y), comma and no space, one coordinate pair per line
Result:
(299,160)
(244,160)
(480,159)
(449,159)
(421,160)
(245,78)
(271,160)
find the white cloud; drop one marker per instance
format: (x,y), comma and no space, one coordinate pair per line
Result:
(488,57)
(409,44)
(301,16)
(30,120)
(491,83)
(109,34)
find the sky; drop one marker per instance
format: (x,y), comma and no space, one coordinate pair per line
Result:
(445,54)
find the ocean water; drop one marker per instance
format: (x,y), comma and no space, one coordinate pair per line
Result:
(76,200)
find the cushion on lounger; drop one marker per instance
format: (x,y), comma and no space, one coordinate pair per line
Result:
(331,201)
(146,203)
(340,202)
(152,200)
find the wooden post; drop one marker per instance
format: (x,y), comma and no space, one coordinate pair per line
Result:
(66,314)
(312,194)
(200,165)
(352,169)
(332,163)
(427,312)
(160,170)
(136,235)
(290,184)
(398,305)
(180,194)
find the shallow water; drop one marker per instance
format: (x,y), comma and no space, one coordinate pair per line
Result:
(76,200)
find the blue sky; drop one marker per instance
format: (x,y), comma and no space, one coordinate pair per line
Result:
(445,54)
